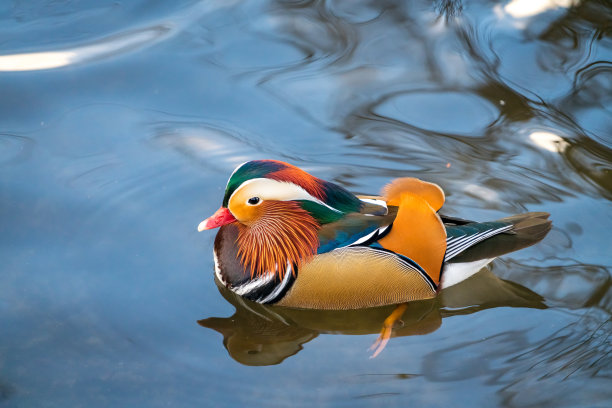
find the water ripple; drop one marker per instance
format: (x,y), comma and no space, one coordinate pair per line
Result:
(15,148)
(107,170)
(449,112)
(97,50)
(527,370)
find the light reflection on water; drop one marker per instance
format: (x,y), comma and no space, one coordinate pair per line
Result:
(108,165)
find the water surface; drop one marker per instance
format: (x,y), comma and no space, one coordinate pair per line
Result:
(121,121)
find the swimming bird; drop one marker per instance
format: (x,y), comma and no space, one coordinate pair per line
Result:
(291,239)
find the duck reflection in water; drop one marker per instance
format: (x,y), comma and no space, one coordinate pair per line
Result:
(259,335)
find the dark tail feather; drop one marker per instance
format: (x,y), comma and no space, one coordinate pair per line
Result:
(532,226)
(527,229)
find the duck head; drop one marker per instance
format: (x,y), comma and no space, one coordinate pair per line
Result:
(278,210)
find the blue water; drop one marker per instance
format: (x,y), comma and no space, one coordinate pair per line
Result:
(120,122)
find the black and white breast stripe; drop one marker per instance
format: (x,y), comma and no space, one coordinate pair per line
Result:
(456,245)
(267,288)
(372,237)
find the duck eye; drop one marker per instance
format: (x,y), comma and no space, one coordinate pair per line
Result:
(253,200)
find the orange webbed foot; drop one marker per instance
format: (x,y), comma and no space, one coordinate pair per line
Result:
(385,333)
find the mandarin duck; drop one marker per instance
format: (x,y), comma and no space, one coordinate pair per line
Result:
(291,239)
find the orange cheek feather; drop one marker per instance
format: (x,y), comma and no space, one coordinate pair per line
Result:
(280,233)
(246,214)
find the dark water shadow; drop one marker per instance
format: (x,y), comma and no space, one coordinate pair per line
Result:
(259,335)
(7,390)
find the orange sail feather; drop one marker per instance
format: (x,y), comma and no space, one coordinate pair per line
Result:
(418,232)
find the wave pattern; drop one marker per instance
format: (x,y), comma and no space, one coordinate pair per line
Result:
(120,122)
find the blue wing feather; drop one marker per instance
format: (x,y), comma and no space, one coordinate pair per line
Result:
(351,230)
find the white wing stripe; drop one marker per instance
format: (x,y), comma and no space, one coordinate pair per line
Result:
(464,242)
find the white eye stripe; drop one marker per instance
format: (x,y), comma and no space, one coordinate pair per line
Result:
(268,189)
